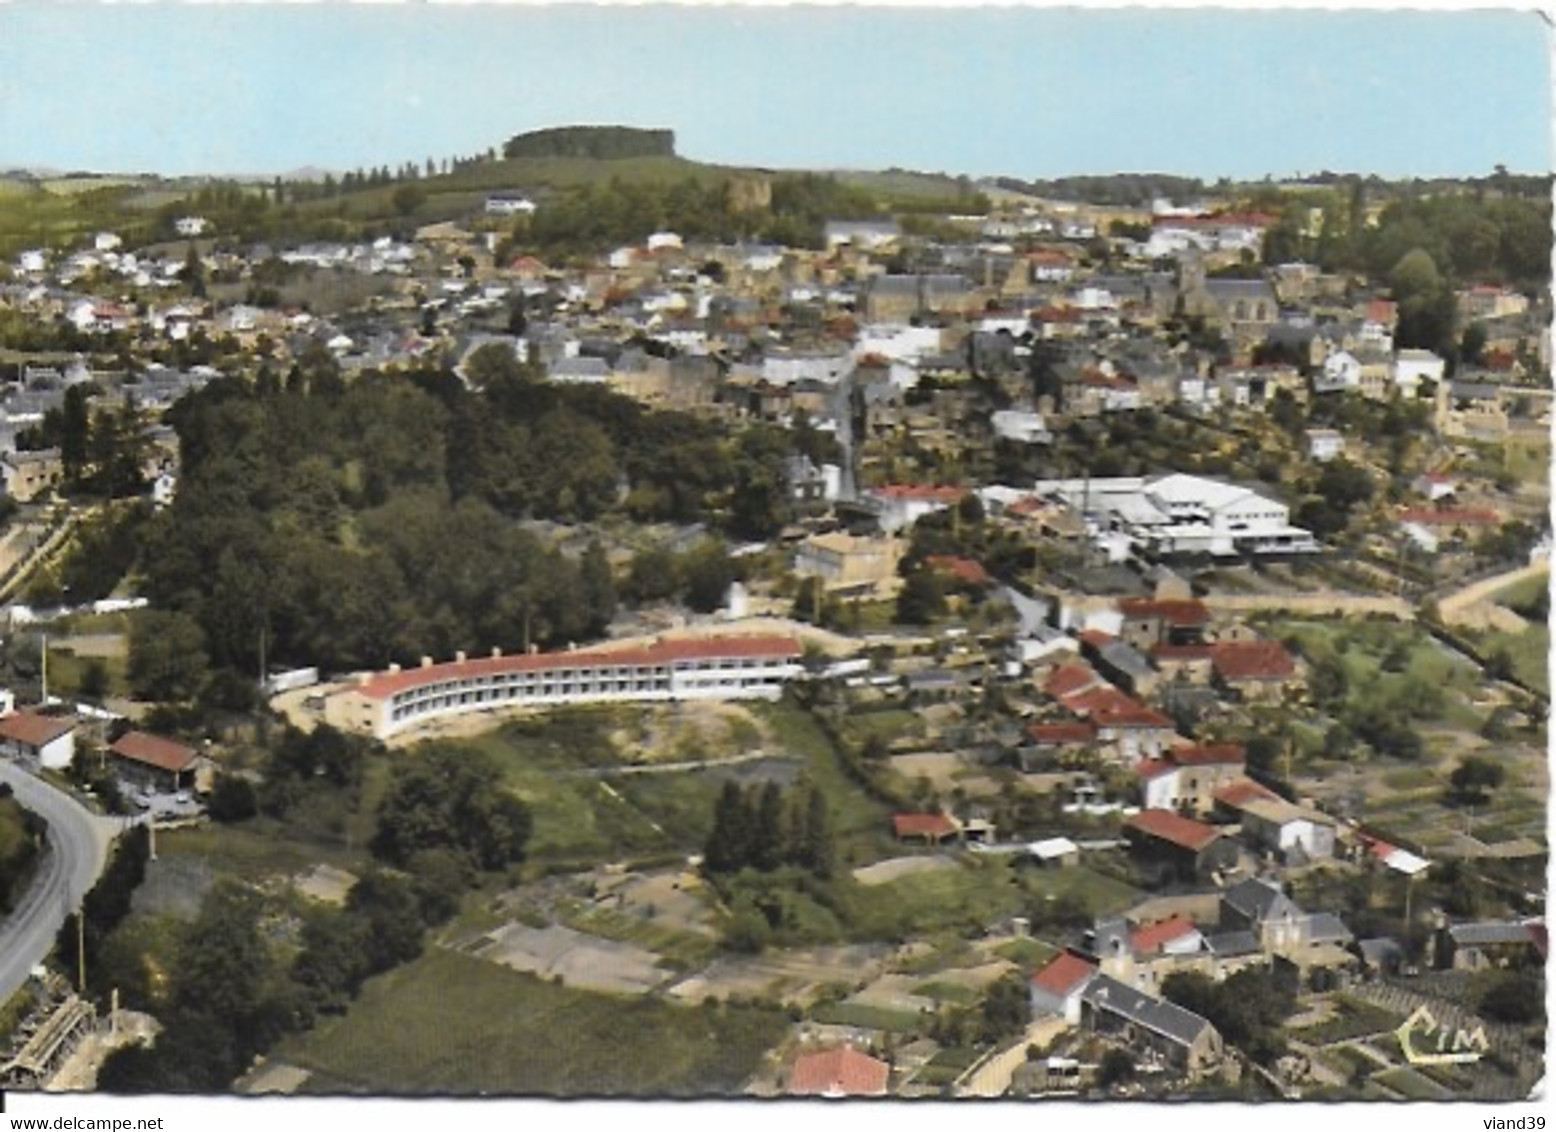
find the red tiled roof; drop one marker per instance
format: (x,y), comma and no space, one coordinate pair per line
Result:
(922,825)
(153,750)
(1212,754)
(1154,768)
(1155,936)
(1175,829)
(1181,652)
(1076,732)
(968,570)
(33,730)
(1027,505)
(1068,679)
(1381,310)
(1540,937)
(1253,660)
(841,1072)
(919,493)
(1064,973)
(1246,790)
(1173,612)
(1108,707)
(1096,638)
(386,684)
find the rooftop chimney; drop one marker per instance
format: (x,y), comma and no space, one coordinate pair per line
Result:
(459,657)
(426,662)
(496,652)
(393,668)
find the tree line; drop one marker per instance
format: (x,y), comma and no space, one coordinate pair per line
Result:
(21,837)
(593,218)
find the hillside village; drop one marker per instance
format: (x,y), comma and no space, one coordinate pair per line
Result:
(1057,649)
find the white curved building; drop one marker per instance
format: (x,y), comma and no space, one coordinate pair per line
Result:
(730,668)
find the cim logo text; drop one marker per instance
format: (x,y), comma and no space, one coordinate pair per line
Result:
(1424,1042)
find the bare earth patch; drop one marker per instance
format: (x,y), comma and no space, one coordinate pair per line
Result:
(894,868)
(792,976)
(325,883)
(581,960)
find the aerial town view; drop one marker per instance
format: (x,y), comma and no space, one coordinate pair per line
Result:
(493,605)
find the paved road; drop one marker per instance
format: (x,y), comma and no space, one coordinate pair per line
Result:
(77,850)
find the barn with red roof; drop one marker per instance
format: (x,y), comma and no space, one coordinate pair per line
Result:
(1177,847)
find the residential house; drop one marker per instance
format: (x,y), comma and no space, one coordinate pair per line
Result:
(899,506)
(35,740)
(1259,906)
(153,761)
(1490,944)
(840,1072)
(1187,778)
(1056,988)
(929,829)
(1148,622)
(851,564)
(1255,671)
(1295,835)
(1180,1038)
(1340,373)
(1133,730)
(1490,302)
(30,474)
(1178,848)
(1412,367)
(1054,744)
(901,298)
(1324,444)
(1126,667)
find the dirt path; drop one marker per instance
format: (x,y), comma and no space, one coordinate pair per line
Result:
(1471,605)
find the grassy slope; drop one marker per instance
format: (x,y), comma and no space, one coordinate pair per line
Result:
(450,1024)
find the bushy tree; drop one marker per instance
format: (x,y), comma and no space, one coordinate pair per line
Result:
(451,798)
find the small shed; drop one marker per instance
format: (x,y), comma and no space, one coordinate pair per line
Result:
(1054,852)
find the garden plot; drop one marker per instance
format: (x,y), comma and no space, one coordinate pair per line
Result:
(579,960)
(790,976)
(668,900)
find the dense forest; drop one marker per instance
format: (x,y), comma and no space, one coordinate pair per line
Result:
(603,143)
(351,525)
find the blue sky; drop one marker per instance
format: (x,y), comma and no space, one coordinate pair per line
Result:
(1028,91)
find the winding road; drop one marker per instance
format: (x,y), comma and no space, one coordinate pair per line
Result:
(77,849)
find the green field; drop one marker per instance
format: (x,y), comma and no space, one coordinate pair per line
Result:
(1354,1019)
(449,1024)
(867,1017)
(1029,954)
(1530,652)
(957,994)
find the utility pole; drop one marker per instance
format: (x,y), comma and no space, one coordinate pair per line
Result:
(44,698)
(81,947)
